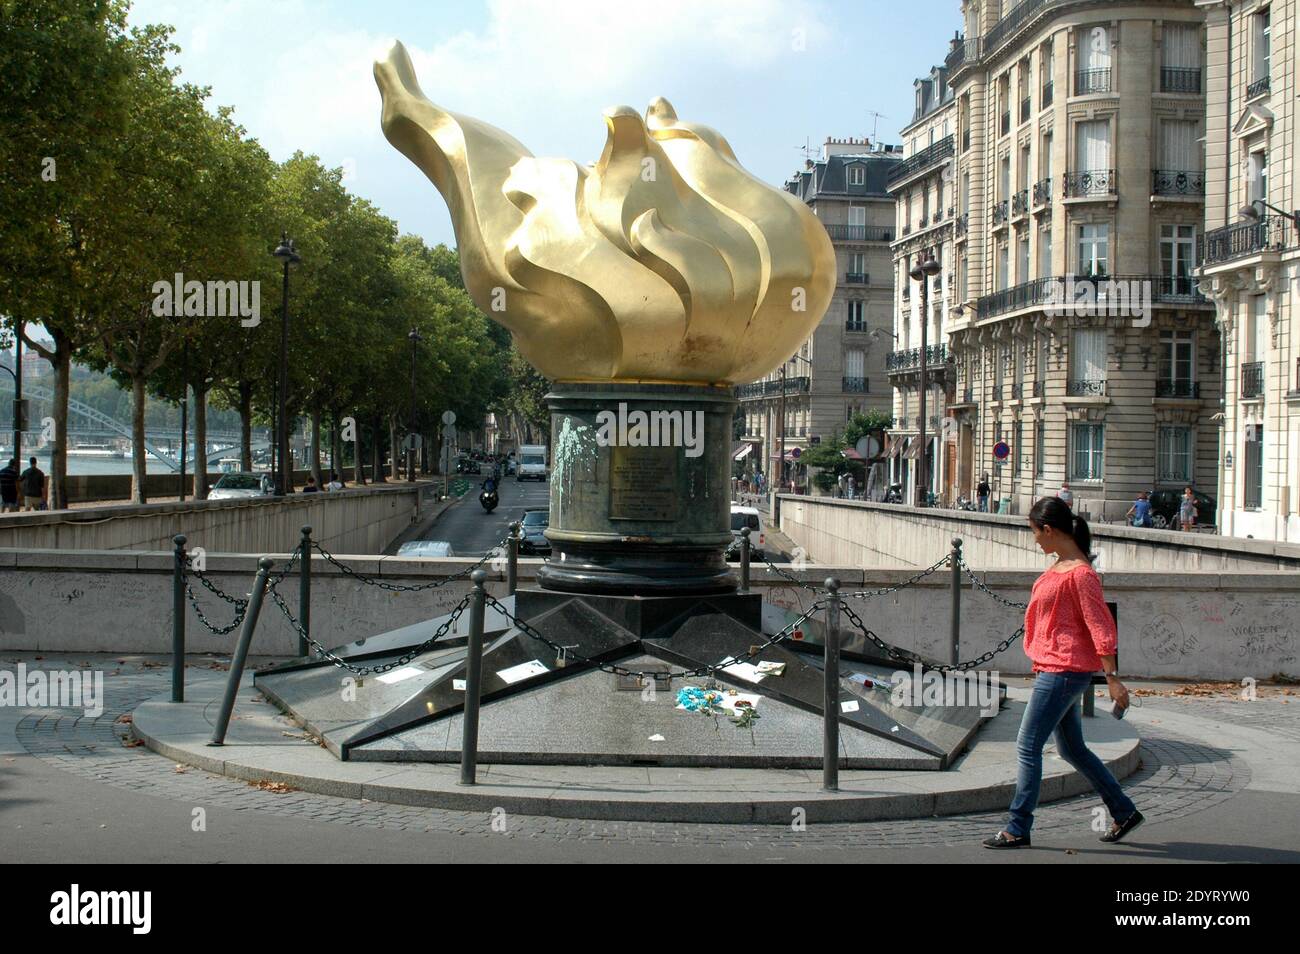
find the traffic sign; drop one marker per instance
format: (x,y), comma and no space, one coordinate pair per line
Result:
(1001,450)
(449,417)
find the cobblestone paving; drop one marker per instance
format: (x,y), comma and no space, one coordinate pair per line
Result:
(1178,776)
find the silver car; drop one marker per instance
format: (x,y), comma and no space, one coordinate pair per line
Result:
(242,484)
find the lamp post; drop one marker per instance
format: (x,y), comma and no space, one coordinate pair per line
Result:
(780,460)
(1250,213)
(415,339)
(17,374)
(923,272)
(288,255)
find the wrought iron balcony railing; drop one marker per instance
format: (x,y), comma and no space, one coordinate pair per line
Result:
(855,278)
(1037,388)
(1005,126)
(1180,80)
(1238,241)
(963,51)
(851,325)
(1091,183)
(1257,88)
(1177,289)
(929,156)
(999,213)
(855,385)
(1020,203)
(861,233)
(1177,182)
(1045,99)
(997,392)
(1086,387)
(1091,81)
(1252,379)
(1178,388)
(1024,109)
(755,389)
(1043,192)
(961,225)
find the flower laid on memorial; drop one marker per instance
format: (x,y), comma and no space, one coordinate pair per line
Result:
(699,699)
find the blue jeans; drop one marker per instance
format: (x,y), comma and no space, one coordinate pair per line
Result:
(984,504)
(1054,707)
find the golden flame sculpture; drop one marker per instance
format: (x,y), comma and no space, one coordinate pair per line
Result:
(665,261)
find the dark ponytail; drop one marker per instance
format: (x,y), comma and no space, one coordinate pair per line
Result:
(1055,513)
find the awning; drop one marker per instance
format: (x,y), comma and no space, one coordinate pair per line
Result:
(741,451)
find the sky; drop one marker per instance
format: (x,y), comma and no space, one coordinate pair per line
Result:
(770,75)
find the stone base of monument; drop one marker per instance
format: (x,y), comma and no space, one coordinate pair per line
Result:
(541,707)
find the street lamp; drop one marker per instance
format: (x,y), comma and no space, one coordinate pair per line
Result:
(923,272)
(20,414)
(288,255)
(415,339)
(1250,213)
(780,461)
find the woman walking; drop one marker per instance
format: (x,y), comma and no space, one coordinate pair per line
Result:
(1069,635)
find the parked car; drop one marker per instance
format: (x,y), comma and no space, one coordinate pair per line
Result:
(1164,509)
(242,484)
(532,540)
(425,548)
(742,517)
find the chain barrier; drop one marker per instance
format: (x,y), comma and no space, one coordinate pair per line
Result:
(903,655)
(983,588)
(323,653)
(497,552)
(239,603)
(788,576)
(886,590)
(565,653)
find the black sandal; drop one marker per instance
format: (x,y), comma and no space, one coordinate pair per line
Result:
(1003,840)
(1118,830)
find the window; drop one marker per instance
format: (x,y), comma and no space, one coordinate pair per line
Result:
(1258,171)
(1003,265)
(857,174)
(1174,457)
(1178,147)
(1263,45)
(855,321)
(1181,47)
(1253,468)
(1087,442)
(1094,249)
(1177,361)
(857,215)
(963,280)
(1092,146)
(1022,256)
(1045,251)
(1096,48)
(965,193)
(857,263)
(1040,448)
(1177,251)
(1004,179)
(1256,329)
(854,361)
(1087,360)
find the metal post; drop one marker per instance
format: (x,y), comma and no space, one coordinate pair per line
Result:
(744,560)
(831,696)
(178,619)
(241,651)
(512,563)
(20,424)
(304,591)
(473,681)
(286,458)
(185,409)
(780,461)
(955,561)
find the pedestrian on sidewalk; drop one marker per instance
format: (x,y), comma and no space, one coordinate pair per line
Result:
(1187,512)
(1069,635)
(1066,495)
(32,483)
(1139,514)
(9,486)
(982,492)
(335,483)
(311,487)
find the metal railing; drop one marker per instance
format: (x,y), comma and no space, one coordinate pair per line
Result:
(1180,79)
(1024,109)
(1178,289)
(855,278)
(1178,388)
(1020,202)
(910,358)
(851,325)
(861,233)
(1045,100)
(929,156)
(1037,388)
(1086,387)
(1043,191)
(1000,213)
(1093,182)
(1033,292)
(1177,182)
(963,51)
(1091,81)
(856,385)
(961,225)
(997,392)
(1257,88)
(1252,379)
(1236,241)
(798,385)
(1005,126)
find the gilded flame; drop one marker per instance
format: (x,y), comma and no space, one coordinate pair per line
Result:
(663,261)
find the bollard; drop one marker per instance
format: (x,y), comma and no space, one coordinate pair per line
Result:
(955,561)
(744,560)
(831,696)
(178,619)
(473,682)
(304,592)
(512,565)
(241,650)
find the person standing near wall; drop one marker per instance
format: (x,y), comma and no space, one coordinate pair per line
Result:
(9,487)
(32,482)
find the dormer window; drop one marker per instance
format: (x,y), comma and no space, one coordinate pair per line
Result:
(857,174)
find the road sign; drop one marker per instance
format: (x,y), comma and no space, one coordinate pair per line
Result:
(1001,450)
(795,453)
(449,417)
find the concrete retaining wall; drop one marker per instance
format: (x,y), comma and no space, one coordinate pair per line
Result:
(348,521)
(1200,625)
(857,533)
(89,488)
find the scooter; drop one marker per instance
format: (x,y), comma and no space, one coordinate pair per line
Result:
(894,494)
(488,498)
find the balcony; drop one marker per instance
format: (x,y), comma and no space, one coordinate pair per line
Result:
(1094,183)
(1180,80)
(1043,192)
(997,392)
(1178,388)
(757,389)
(1004,127)
(860,233)
(965,141)
(963,51)
(968,396)
(1000,213)
(851,325)
(1087,82)
(1086,387)
(925,220)
(1020,203)
(1252,380)
(929,156)
(1037,389)
(855,385)
(855,278)
(1033,292)
(1017,392)
(1257,88)
(1045,100)
(1177,182)
(910,358)
(1177,290)
(1024,109)
(961,225)
(1009,25)
(1239,241)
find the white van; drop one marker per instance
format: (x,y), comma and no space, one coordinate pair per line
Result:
(532,462)
(742,517)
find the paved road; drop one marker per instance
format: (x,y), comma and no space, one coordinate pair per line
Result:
(1217,783)
(471,530)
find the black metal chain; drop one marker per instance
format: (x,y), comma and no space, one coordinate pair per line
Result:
(494,553)
(886,590)
(406,657)
(788,576)
(903,655)
(566,653)
(983,588)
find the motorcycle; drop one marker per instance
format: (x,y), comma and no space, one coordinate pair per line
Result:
(964,503)
(488,498)
(894,494)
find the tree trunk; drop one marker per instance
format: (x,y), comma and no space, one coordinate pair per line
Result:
(201,441)
(138,452)
(358,472)
(246,425)
(59,459)
(315,447)
(336,444)
(394,448)
(377,464)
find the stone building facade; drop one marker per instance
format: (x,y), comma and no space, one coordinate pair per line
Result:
(1250,262)
(840,369)
(1079,154)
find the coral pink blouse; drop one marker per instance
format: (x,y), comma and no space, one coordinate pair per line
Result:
(1068,626)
